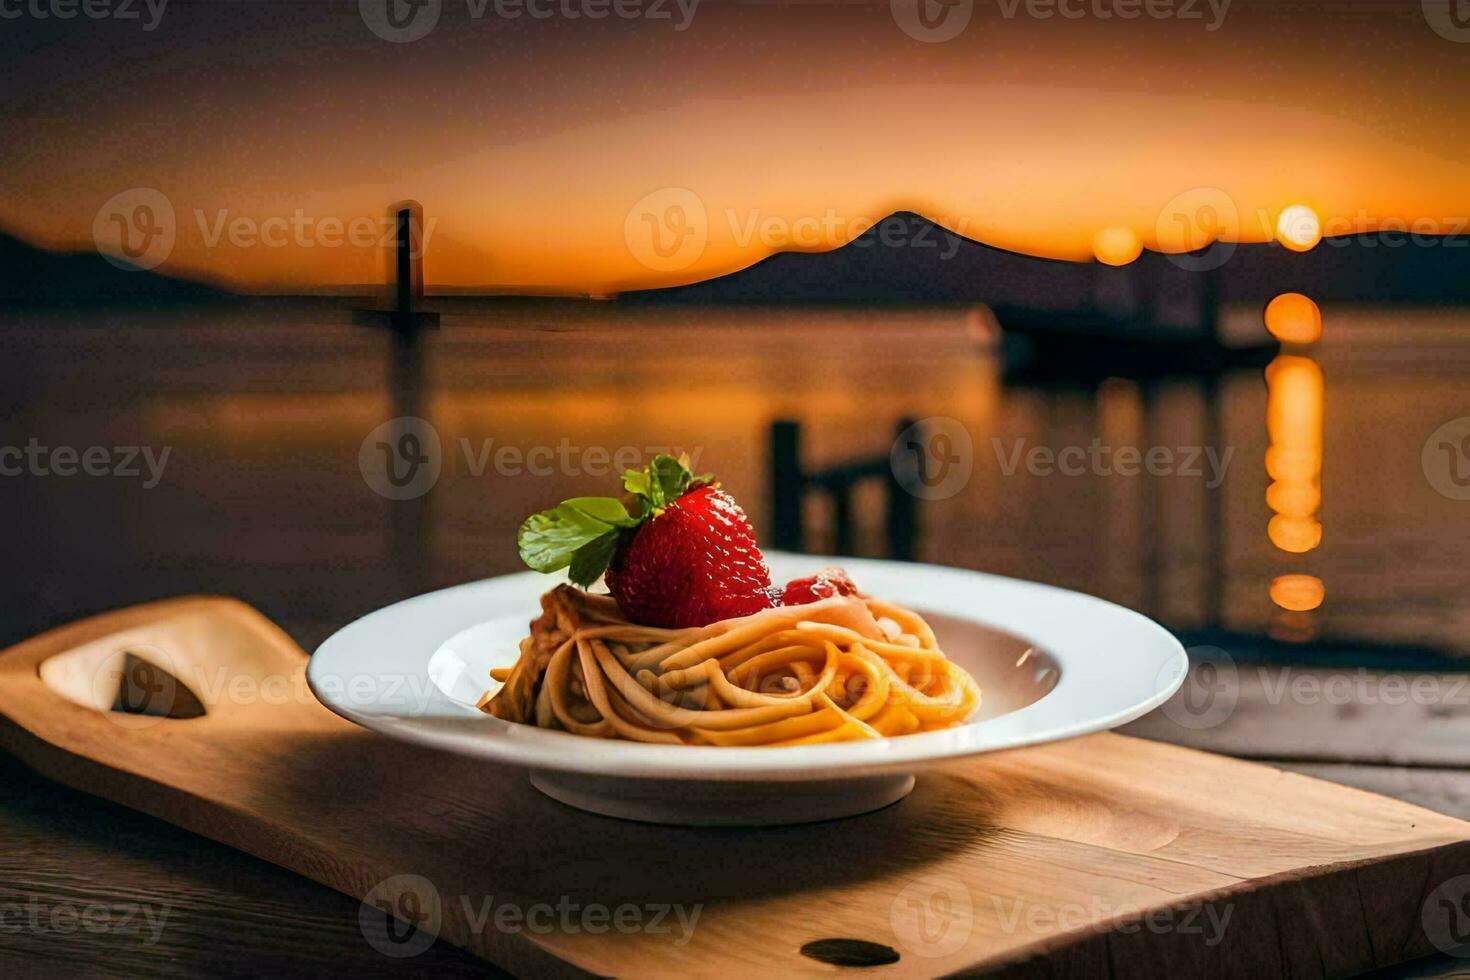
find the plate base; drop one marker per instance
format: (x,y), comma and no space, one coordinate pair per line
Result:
(712,803)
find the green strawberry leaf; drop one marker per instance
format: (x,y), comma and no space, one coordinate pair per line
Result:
(593,558)
(605,509)
(636,482)
(668,478)
(548,540)
(586,532)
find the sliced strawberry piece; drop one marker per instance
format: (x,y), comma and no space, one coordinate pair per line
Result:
(829,582)
(691,565)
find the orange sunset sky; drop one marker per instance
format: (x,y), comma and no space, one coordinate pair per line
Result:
(547,152)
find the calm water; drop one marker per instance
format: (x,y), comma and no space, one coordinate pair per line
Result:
(263,413)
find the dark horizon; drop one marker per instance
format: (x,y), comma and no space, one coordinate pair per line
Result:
(904,257)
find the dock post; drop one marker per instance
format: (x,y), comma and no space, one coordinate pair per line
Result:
(408,257)
(410,521)
(786,485)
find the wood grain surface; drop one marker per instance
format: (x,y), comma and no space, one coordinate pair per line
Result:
(1319,714)
(1104,853)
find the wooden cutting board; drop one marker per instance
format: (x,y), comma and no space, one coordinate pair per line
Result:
(1103,854)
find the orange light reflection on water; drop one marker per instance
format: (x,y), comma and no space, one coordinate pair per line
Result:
(1294,419)
(1299,593)
(1294,319)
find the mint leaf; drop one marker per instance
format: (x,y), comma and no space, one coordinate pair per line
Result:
(592,559)
(585,532)
(660,483)
(548,540)
(636,482)
(605,509)
(668,479)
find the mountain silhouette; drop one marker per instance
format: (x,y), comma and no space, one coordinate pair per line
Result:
(906,258)
(35,276)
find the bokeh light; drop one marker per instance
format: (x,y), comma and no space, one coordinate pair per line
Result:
(1299,593)
(1294,535)
(1116,246)
(1298,228)
(1300,498)
(1294,319)
(1294,407)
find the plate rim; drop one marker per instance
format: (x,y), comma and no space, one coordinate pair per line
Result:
(556,751)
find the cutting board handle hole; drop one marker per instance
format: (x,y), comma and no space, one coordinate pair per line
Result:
(147,689)
(121,682)
(850,952)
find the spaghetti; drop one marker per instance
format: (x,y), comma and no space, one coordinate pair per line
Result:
(841,669)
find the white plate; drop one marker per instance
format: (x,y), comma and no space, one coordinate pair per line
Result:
(1051,664)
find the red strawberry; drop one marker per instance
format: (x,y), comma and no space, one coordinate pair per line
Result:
(692,565)
(829,582)
(676,552)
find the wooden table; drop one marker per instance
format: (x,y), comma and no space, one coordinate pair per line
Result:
(73,867)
